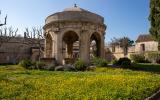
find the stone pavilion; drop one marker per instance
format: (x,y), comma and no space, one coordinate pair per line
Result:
(73,25)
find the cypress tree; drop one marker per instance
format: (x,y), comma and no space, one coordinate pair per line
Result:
(155,20)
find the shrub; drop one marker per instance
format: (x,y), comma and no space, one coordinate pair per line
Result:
(124,62)
(99,62)
(114,62)
(80,65)
(103,63)
(154,57)
(138,58)
(40,65)
(26,64)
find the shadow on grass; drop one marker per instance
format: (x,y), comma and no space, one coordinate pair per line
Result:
(154,68)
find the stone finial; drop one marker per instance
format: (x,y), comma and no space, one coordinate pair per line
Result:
(75,5)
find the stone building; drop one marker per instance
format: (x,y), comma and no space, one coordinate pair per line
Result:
(19,48)
(73,25)
(144,44)
(117,52)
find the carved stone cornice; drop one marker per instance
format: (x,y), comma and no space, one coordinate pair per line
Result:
(73,24)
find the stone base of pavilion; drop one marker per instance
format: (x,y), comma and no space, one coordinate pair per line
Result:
(49,60)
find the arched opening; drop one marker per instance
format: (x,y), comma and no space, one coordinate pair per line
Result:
(76,49)
(70,46)
(95,45)
(49,45)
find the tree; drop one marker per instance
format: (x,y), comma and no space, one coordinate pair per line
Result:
(1,24)
(114,42)
(123,42)
(6,34)
(35,36)
(155,20)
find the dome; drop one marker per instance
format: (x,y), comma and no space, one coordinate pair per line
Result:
(75,14)
(75,8)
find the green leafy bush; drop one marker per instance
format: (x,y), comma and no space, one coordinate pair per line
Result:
(114,62)
(80,65)
(27,64)
(99,62)
(138,58)
(103,63)
(124,62)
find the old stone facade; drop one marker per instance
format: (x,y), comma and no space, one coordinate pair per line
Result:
(19,48)
(117,52)
(72,25)
(143,44)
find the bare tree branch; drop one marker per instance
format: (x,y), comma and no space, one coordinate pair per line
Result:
(6,34)
(1,24)
(35,37)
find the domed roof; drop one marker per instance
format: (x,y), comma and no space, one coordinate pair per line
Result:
(75,14)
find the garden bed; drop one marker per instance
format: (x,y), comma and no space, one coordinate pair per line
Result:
(103,83)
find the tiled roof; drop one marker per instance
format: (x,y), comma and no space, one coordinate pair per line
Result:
(145,38)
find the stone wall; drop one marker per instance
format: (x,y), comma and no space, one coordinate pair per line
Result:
(17,49)
(150,46)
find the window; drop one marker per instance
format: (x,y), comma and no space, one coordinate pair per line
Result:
(142,47)
(113,49)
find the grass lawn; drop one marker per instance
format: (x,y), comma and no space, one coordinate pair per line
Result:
(104,83)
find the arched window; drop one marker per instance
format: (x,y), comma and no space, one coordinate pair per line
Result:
(71,42)
(95,45)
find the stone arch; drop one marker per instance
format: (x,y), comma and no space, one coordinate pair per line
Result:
(67,30)
(95,45)
(49,45)
(68,39)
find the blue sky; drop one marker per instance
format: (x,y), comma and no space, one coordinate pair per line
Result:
(122,17)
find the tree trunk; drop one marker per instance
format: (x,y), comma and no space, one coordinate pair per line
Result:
(158,46)
(125,51)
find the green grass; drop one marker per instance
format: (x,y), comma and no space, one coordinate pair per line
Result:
(17,83)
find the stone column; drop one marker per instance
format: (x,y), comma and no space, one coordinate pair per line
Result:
(58,47)
(54,44)
(45,48)
(84,47)
(102,47)
(60,51)
(48,45)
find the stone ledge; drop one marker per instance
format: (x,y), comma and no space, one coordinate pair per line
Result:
(155,96)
